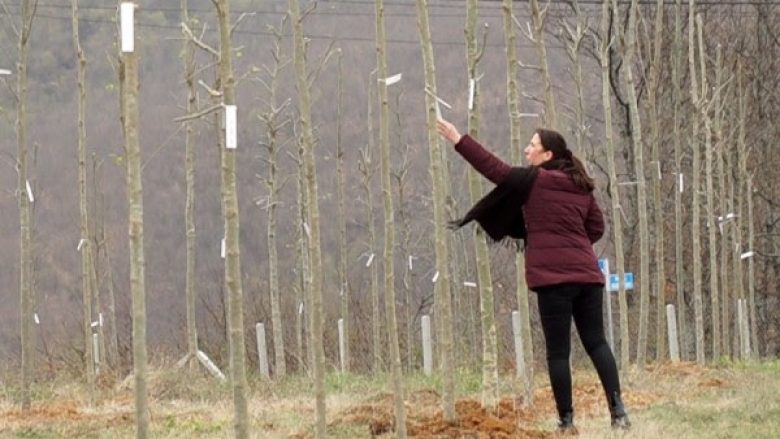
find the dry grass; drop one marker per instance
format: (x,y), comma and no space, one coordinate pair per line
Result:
(680,401)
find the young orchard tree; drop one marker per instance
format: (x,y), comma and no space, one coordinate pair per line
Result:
(526,369)
(677,49)
(655,140)
(537,37)
(367,168)
(705,108)
(387,199)
(273,126)
(698,305)
(235,307)
(304,109)
(490,393)
(614,192)
(340,182)
(437,169)
(129,114)
(85,243)
(629,85)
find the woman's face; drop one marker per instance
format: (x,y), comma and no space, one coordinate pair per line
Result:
(535,154)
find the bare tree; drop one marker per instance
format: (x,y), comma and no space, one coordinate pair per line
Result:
(367,168)
(237,348)
(270,119)
(677,49)
(617,227)
(537,36)
(304,109)
(490,393)
(188,57)
(343,278)
(705,108)
(724,204)
(129,113)
(526,370)
(85,243)
(574,42)
(437,168)
(695,186)
(387,198)
(655,140)
(636,136)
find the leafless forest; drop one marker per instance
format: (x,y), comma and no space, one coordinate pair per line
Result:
(692,144)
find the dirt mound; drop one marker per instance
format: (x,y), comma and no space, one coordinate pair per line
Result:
(508,420)
(61,412)
(426,420)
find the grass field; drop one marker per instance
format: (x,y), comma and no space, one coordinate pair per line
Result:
(734,400)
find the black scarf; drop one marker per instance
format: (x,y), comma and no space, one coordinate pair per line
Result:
(500,212)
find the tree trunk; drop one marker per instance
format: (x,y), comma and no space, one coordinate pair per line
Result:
(236,345)
(550,113)
(367,168)
(304,108)
(725,229)
(695,186)
(343,278)
(188,56)
(617,227)
(745,192)
(660,282)
(682,321)
(85,243)
(272,183)
(387,198)
(513,104)
(136,238)
(490,383)
(26,249)
(636,136)
(437,169)
(576,38)
(711,217)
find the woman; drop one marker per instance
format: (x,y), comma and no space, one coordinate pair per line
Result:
(550,205)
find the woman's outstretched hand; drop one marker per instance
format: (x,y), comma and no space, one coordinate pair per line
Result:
(448,131)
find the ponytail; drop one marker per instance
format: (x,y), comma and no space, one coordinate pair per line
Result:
(564,159)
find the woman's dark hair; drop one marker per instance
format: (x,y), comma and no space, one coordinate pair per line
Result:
(554,141)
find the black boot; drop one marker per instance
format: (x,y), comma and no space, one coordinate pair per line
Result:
(618,412)
(566,423)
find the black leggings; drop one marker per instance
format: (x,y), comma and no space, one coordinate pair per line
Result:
(557,305)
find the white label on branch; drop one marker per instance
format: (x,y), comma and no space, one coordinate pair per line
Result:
(435,277)
(81,244)
(95,324)
(747,255)
(439,100)
(100,318)
(300,308)
(222,249)
(470,284)
(5,72)
(127,11)
(681,182)
(658,167)
(231,126)
(472,90)
(390,80)
(307,230)
(29,192)
(410,263)
(370,260)
(37,320)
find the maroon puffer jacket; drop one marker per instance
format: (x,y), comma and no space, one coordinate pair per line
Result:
(563,222)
